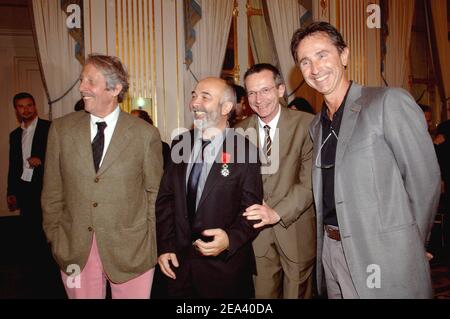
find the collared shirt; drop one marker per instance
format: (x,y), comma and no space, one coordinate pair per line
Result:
(27,144)
(209,156)
(273,127)
(328,158)
(111,121)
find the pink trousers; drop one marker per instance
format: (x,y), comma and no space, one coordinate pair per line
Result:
(91,283)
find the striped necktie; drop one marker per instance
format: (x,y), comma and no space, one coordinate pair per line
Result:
(267,142)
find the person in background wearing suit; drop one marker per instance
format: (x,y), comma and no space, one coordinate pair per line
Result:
(102,176)
(375,178)
(204,242)
(442,145)
(28,144)
(27,147)
(165,147)
(79,106)
(300,104)
(285,248)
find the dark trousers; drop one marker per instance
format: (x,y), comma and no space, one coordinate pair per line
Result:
(38,267)
(197,279)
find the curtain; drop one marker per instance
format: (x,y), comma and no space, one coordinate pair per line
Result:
(208,51)
(398,43)
(56,51)
(260,39)
(285,19)
(439,16)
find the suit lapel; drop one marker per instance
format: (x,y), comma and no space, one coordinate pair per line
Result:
(253,124)
(119,141)
(82,140)
(349,119)
(213,177)
(316,133)
(18,141)
(184,164)
(36,139)
(214,174)
(282,137)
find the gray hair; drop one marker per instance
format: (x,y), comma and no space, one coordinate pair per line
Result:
(113,70)
(229,95)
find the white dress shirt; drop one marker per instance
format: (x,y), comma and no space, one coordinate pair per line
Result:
(111,121)
(27,144)
(210,154)
(273,128)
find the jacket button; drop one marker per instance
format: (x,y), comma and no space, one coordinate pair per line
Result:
(95,204)
(90,229)
(97,180)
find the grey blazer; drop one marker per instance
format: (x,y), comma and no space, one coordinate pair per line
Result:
(387,186)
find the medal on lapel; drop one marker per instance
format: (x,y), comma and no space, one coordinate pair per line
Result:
(225,160)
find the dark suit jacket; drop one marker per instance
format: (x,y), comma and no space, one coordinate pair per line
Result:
(222,203)
(166,153)
(16,162)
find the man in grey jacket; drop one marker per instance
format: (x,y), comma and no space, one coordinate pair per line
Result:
(375,178)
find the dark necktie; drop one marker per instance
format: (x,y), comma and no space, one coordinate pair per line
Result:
(98,144)
(267,142)
(192,184)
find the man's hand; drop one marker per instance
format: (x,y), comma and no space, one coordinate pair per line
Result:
(12,203)
(164,263)
(215,247)
(34,162)
(429,256)
(262,212)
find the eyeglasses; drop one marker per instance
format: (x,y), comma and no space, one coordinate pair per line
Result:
(262,92)
(319,165)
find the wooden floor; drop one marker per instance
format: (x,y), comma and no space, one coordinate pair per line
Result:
(29,272)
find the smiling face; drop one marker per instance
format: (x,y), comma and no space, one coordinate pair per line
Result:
(323,66)
(264,95)
(98,99)
(206,106)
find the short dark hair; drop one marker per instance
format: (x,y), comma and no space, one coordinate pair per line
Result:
(23,95)
(240,92)
(302,105)
(425,108)
(257,68)
(79,106)
(113,70)
(143,115)
(316,27)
